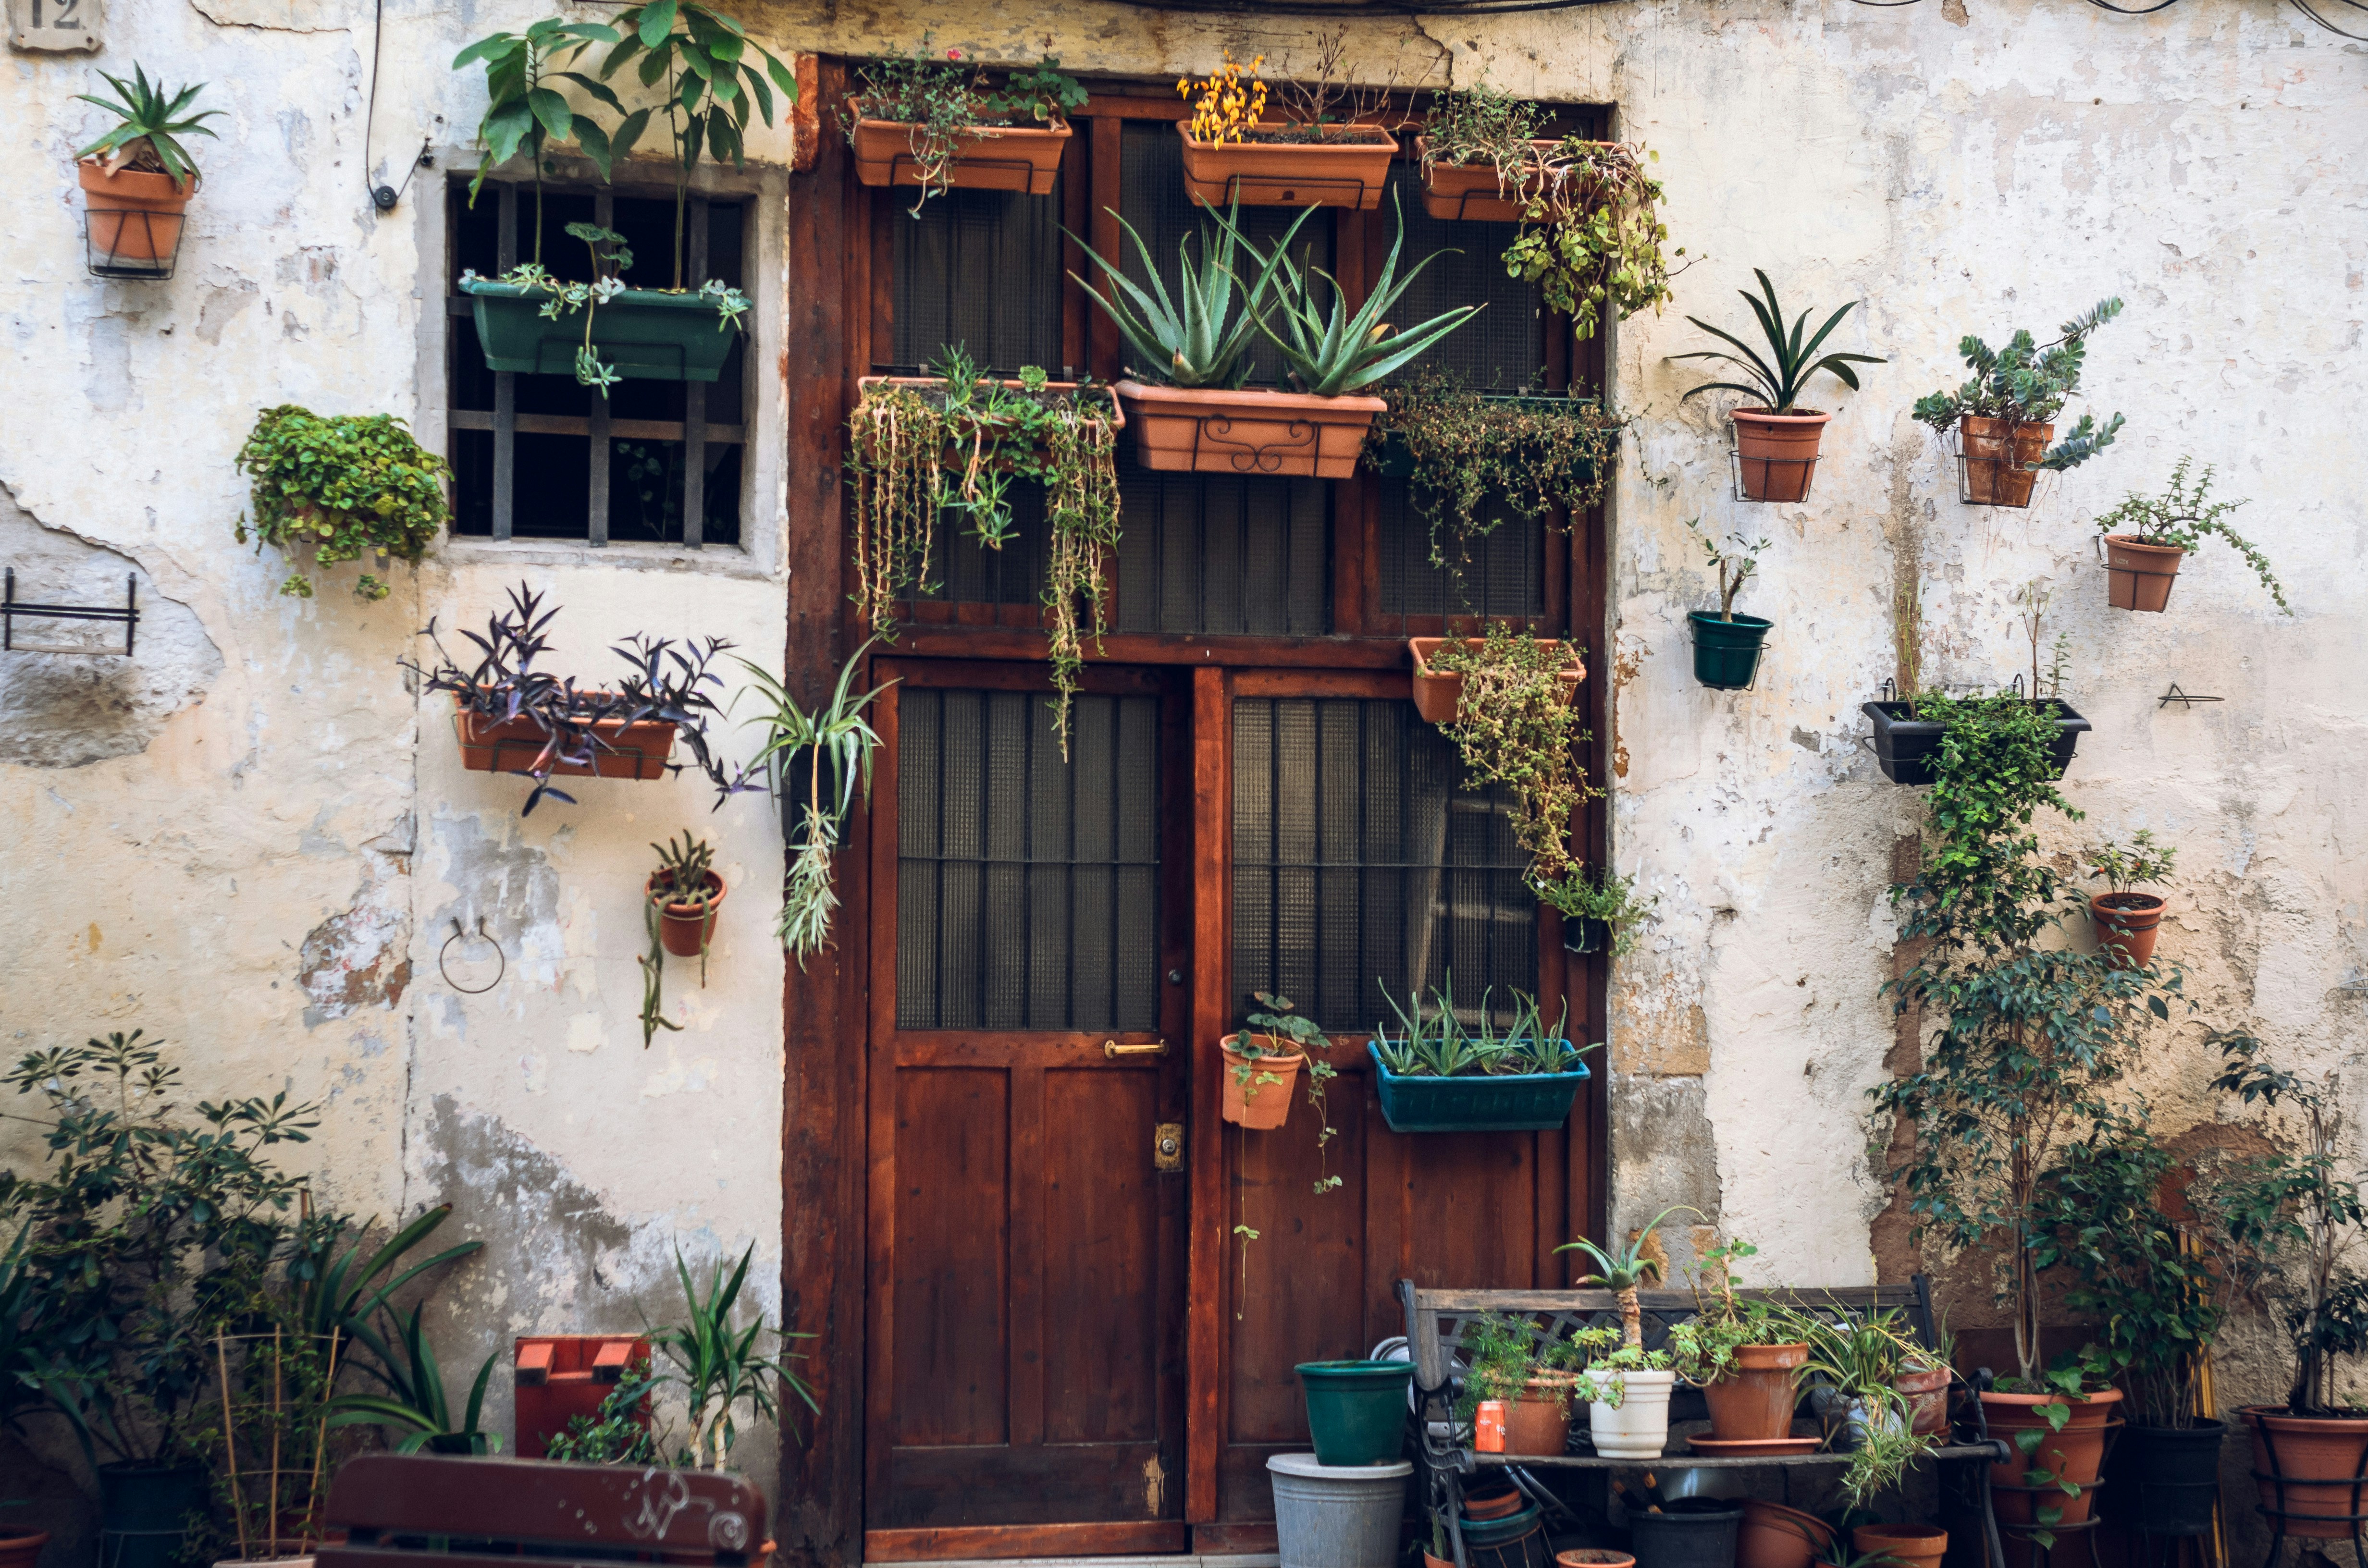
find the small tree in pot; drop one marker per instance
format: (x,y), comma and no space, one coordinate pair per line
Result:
(1726,646)
(2126,921)
(2147,538)
(1776,441)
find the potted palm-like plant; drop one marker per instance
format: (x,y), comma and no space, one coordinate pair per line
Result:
(1777,440)
(1626,1386)
(1328,356)
(2005,414)
(137,179)
(2145,538)
(2127,921)
(1726,645)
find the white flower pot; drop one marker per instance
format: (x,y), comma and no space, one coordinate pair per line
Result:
(1639,1428)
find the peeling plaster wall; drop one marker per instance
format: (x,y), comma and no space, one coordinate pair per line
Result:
(268,875)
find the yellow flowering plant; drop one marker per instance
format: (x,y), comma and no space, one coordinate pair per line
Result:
(1233,100)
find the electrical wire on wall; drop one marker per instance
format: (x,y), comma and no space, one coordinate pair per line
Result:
(382,196)
(2306,7)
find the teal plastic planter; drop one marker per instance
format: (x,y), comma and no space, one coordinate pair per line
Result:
(1514,1102)
(1727,652)
(1356,1410)
(648,335)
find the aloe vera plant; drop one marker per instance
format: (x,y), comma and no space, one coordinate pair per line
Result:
(1440,1046)
(1330,354)
(1201,336)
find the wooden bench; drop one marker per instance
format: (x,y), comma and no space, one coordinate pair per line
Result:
(1435,1323)
(428,1511)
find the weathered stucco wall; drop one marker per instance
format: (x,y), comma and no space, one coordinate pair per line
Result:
(253,843)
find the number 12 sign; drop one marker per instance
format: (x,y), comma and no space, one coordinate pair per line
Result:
(55,24)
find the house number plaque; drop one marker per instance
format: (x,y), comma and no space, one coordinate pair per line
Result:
(56,26)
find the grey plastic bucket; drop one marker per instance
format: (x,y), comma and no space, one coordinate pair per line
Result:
(1337,1516)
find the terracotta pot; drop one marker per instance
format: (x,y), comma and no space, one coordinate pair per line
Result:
(2074,1454)
(1437,695)
(1538,1423)
(1259,1105)
(1776,453)
(1346,172)
(2126,926)
(2293,1452)
(992,157)
(2140,576)
(1927,1394)
(1753,1401)
(1500,1505)
(1208,430)
(1776,1537)
(685,929)
(21,1548)
(1995,454)
(1472,191)
(510,745)
(132,216)
(1912,1546)
(1578,1557)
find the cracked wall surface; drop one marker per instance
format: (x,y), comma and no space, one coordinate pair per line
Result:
(254,840)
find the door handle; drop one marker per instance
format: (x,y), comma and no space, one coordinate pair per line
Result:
(1113,1050)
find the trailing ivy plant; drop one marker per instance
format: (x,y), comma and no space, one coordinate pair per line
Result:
(341,486)
(958,445)
(1592,234)
(943,100)
(2182,517)
(2034,1039)
(2028,382)
(1516,725)
(1479,458)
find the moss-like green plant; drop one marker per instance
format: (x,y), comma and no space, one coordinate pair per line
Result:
(343,486)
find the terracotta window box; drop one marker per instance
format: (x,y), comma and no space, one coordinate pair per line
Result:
(993,157)
(511,745)
(1348,172)
(1436,695)
(1209,430)
(1472,191)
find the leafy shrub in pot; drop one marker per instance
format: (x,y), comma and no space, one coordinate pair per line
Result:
(1776,439)
(2005,414)
(2145,538)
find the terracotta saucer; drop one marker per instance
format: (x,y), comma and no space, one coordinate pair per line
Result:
(1748,1447)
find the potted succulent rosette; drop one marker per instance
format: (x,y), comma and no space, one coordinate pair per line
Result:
(1776,441)
(137,179)
(1200,417)
(2004,417)
(2147,538)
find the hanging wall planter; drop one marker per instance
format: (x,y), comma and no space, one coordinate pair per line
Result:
(2140,576)
(1249,1099)
(1210,430)
(1506,1102)
(1776,454)
(1436,693)
(1475,192)
(1348,168)
(1909,748)
(2127,924)
(686,928)
(1726,652)
(132,220)
(617,748)
(642,334)
(986,157)
(1996,459)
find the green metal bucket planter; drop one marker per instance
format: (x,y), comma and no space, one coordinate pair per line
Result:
(1727,652)
(647,334)
(1356,1410)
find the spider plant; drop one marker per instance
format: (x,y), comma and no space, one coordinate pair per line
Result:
(1197,338)
(1332,354)
(153,121)
(831,746)
(1777,381)
(1625,1272)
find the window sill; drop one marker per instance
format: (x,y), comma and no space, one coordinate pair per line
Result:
(714,559)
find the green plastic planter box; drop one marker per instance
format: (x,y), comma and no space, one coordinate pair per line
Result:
(1356,1410)
(1727,652)
(1513,1102)
(647,334)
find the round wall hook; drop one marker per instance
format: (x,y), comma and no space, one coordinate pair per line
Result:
(459,933)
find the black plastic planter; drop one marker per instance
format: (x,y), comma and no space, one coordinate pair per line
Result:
(143,1513)
(1581,935)
(1727,652)
(1696,1532)
(2167,1477)
(1909,749)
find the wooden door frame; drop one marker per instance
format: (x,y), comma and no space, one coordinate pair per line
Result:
(833,285)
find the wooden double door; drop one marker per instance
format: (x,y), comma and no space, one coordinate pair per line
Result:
(1085,1293)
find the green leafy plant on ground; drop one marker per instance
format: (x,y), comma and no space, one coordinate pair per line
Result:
(619,1433)
(1479,460)
(1516,725)
(2034,1039)
(154,119)
(417,1408)
(719,1366)
(1592,236)
(1779,379)
(341,486)
(2028,383)
(2182,517)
